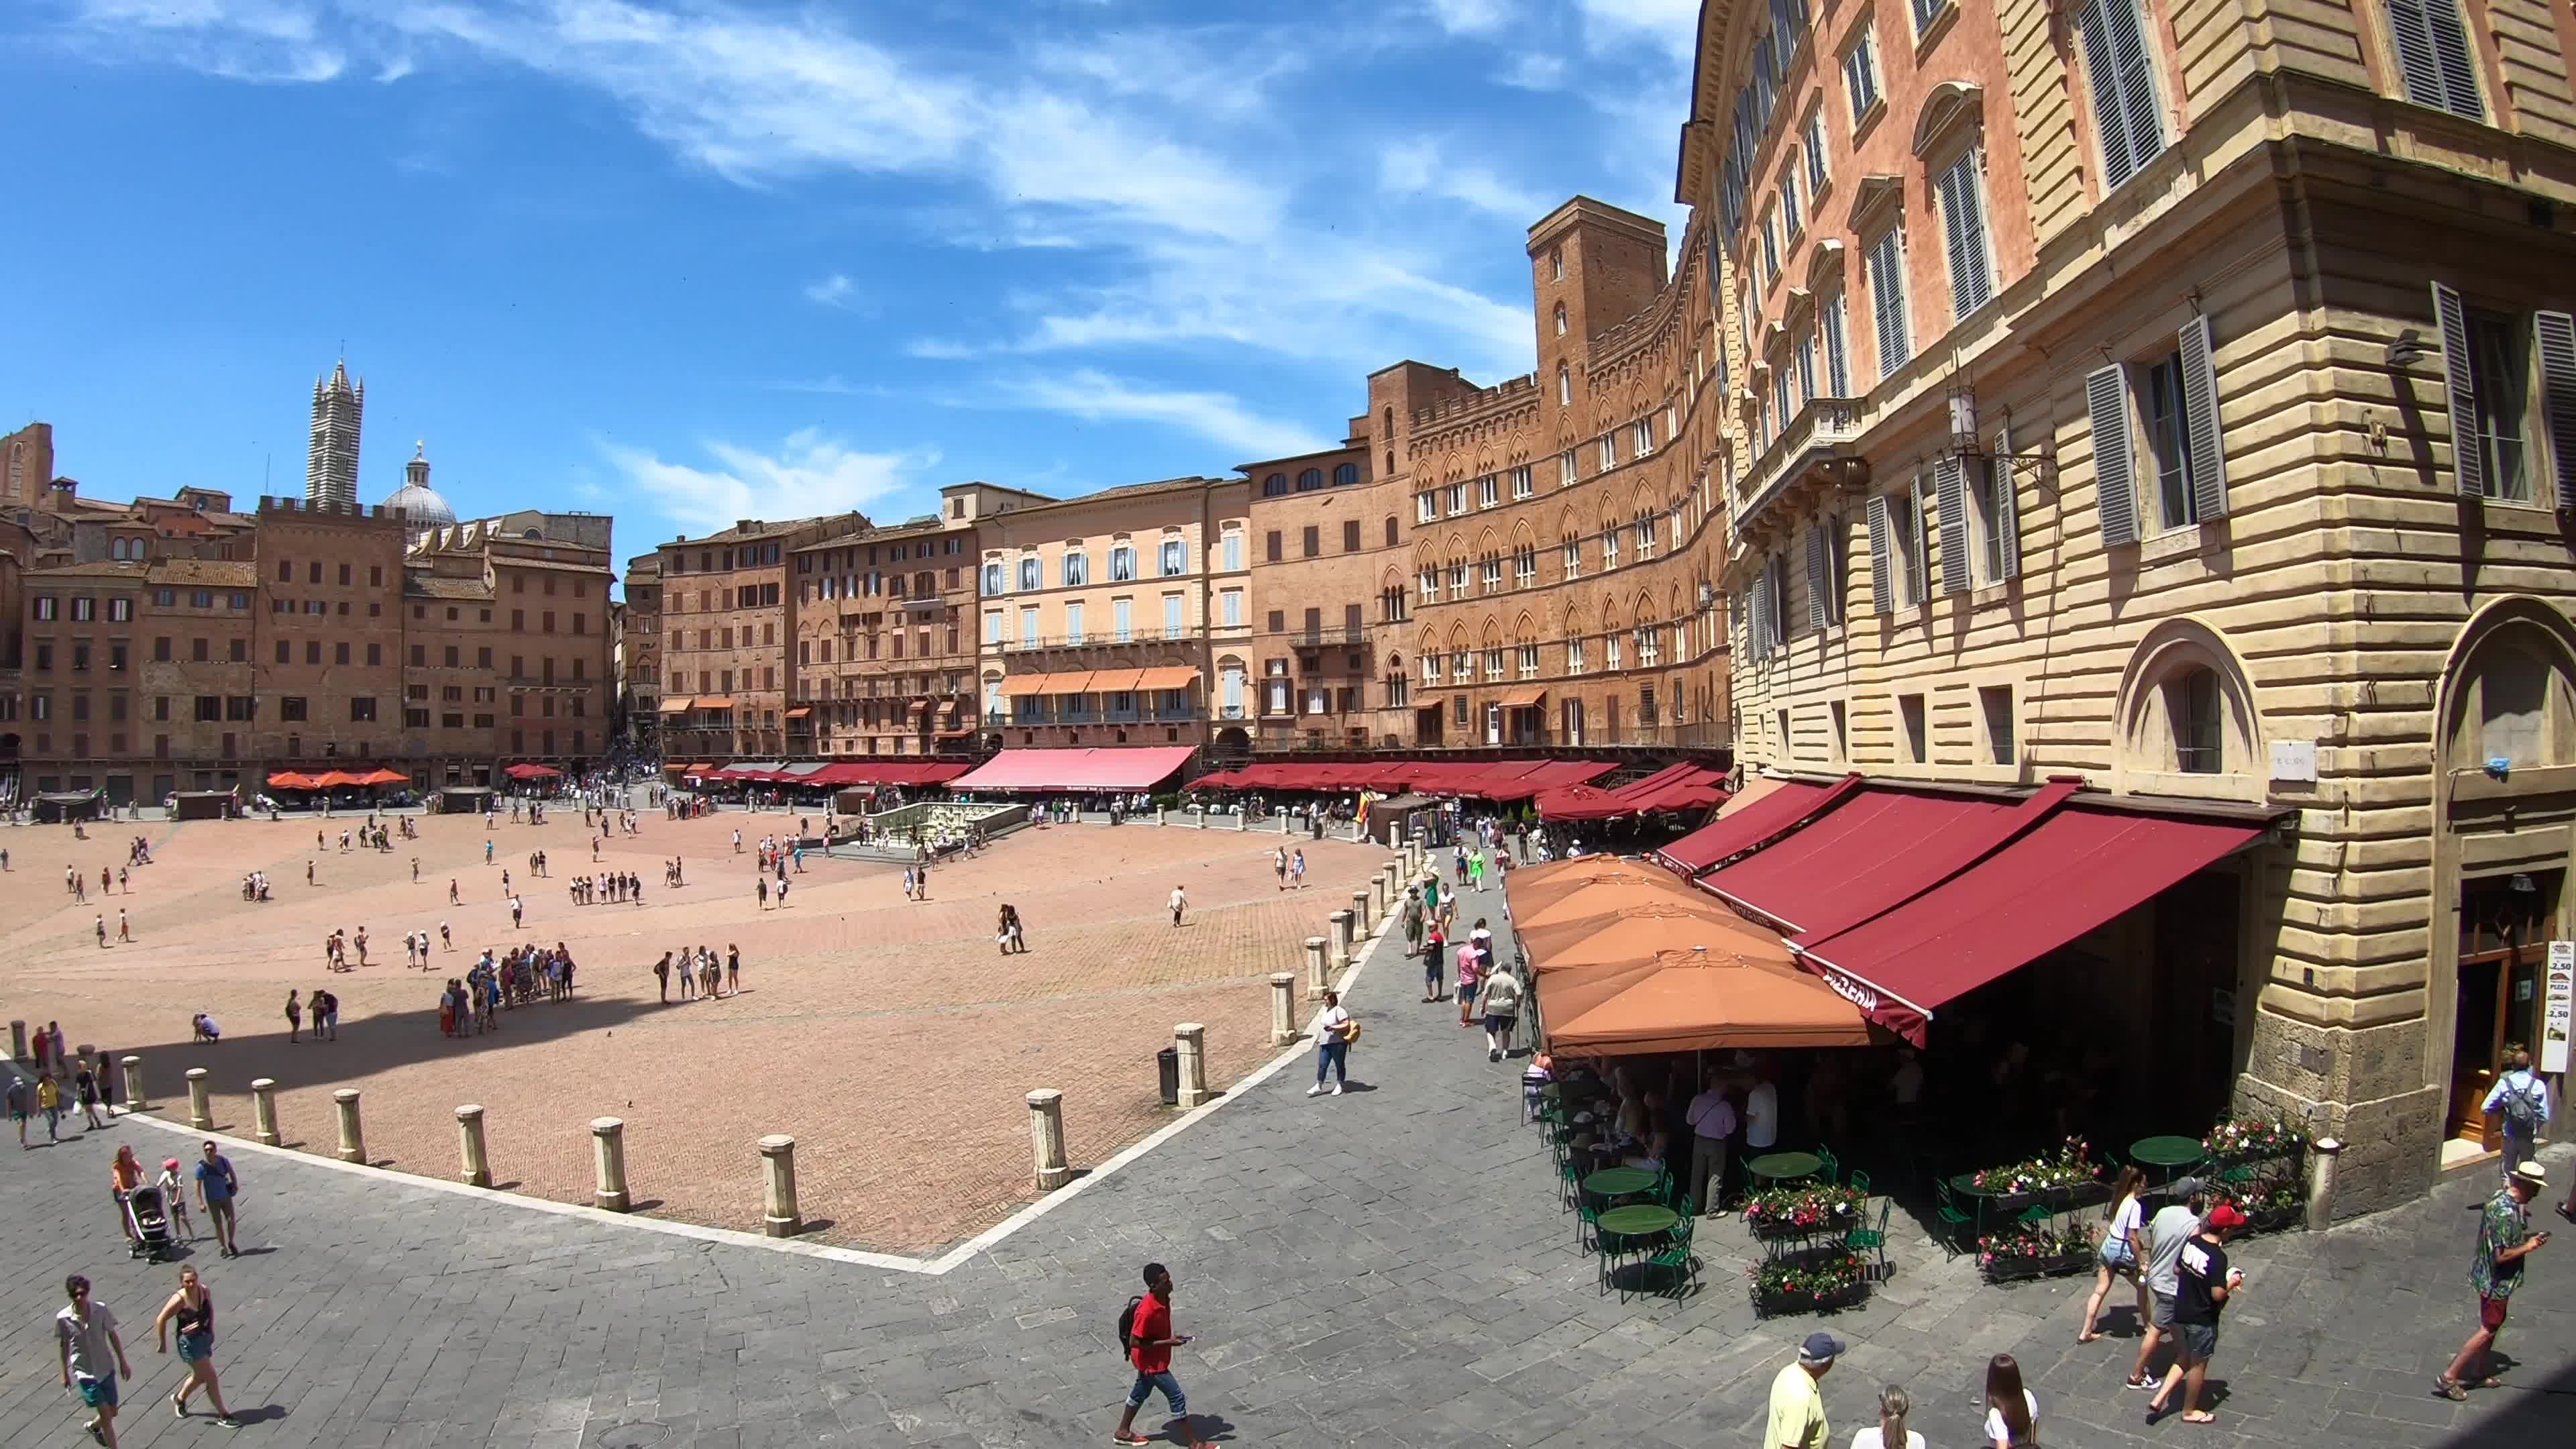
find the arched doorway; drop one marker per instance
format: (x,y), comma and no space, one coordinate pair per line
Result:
(2505,838)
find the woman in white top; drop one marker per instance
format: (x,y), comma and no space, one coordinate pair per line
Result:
(1334,1030)
(2012,1412)
(2124,1248)
(1890,1431)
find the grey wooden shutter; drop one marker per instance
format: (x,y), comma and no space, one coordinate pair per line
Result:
(2007,513)
(2137,78)
(2460,390)
(2556,332)
(2415,63)
(1918,565)
(2459,64)
(1949,483)
(1762,612)
(1882,587)
(2110,122)
(1819,566)
(2115,487)
(2204,438)
(1963,299)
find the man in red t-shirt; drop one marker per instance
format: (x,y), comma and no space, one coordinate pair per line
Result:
(1149,1345)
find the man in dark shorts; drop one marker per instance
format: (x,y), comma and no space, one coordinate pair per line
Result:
(2505,1238)
(216,1187)
(2173,1225)
(86,1339)
(2204,1282)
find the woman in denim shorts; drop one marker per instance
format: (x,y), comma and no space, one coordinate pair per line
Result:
(2121,1251)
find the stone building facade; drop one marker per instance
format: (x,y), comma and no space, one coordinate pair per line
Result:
(2183,400)
(1119,617)
(729,620)
(639,632)
(1562,526)
(1330,587)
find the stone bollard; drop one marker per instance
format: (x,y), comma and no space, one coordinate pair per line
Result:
(353,1133)
(1046,1138)
(1190,1040)
(1315,946)
(608,1150)
(778,1217)
(1394,872)
(17,1041)
(2321,1181)
(263,1110)
(1283,1007)
(469,1146)
(1242,822)
(134,1100)
(1377,889)
(201,1112)
(83,1053)
(1198,816)
(1162,815)
(1360,917)
(1341,942)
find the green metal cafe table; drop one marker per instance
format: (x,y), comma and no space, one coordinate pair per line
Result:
(1785,1167)
(1616,1182)
(2171,1154)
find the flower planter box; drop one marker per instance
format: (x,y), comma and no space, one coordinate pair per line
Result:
(1770,1305)
(1776,1230)
(2014,1268)
(2273,1220)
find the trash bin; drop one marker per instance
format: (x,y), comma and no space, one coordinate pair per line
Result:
(1168,1063)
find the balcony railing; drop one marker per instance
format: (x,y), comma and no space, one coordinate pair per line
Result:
(1823,430)
(993,720)
(1023,643)
(1315,636)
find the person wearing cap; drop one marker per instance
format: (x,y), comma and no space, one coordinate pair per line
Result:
(174,1198)
(2174,1224)
(2204,1282)
(2505,1238)
(1797,1401)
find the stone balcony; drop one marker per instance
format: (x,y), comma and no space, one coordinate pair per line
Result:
(1826,430)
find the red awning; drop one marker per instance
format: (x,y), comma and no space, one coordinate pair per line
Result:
(526,771)
(884,772)
(2076,870)
(1105,768)
(1795,880)
(381,776)
(1772,815)
(291,780)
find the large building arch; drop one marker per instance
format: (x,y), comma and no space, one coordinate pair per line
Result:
(2186,721)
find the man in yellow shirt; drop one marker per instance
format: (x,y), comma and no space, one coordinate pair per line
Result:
(1797,1401)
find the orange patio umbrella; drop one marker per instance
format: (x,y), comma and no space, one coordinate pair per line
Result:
(1701,1001)
(1609,897)
(1641,932)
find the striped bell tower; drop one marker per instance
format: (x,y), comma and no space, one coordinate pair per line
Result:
(331,468)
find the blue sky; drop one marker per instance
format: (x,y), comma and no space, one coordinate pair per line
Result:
(688,261)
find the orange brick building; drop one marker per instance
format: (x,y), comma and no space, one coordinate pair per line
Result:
(1328,585)
(728,620)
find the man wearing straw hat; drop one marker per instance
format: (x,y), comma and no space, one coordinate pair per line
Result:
(2505,1238)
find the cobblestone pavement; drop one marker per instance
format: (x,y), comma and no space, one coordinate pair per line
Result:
(1385,1267)
(888,1036)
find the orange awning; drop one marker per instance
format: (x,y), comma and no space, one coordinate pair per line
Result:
(719,702)
(677,706)
(1640,933)
(1679,1001)
(1167,676)
(921,707)
(1116,681)
(1076,682)
(1523,698)
(1020,686)
(799,712)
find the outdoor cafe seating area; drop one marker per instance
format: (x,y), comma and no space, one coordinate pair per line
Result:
(1649,993)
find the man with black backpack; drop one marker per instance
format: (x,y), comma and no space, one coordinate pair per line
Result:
(2521,1099)
(1145,1334)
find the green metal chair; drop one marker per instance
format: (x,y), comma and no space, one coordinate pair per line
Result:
(1675,1256)
(1831,1171)
(1860,1183)
(1956,1226)
(1873,1240)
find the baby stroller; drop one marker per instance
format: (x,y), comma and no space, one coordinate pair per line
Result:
(147,1223)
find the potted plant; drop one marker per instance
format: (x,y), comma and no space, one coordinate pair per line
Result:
(2034,1250)
(1807,1282)
(1806,1211)
(2055,1179)
(2275,1205)
(2252,1139)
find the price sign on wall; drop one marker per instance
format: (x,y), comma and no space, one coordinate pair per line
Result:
(2558,1008)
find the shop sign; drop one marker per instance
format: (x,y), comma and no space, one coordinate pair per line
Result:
(2559,1007)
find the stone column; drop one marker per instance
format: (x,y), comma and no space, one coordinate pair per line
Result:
(1190,1040)
(263,1110)
(134,1100)
(1046,1138)
(778,1217)
(1377,888)
(1198,816)
(1360,917)
(2321,1181)
(353,1134)
(1315,967)
(201,1112)
(1341,942)
(469,1146)
(1162,815)
(1283,1007)
(1394,885)
(608,1150)
(1242,823)
(17,1041)
(1284,818)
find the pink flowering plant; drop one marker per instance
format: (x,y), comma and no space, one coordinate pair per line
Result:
(2027,1246)
(1802,1210)
(2246,1139)
(2071,1166)
(1805,1281)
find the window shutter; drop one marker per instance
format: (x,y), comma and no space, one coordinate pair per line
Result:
(2556,332)
(2115,491)
(1949,483)
(2110,123)
(2415,64)
(1887,288)
(2007,513)
(2459,386)
(1818,567)
(1954,231)
(1882,587)
(1918,567)
(2459,64)
(2204,438)
(2137,78)
(1761,643)
(1972,226)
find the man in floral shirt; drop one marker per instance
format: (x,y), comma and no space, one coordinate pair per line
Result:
(2505,1238)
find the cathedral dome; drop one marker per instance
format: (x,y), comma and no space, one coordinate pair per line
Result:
(420,503)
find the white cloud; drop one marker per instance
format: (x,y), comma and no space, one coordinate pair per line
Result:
(835,290)
(249,40)
(809,474)
(1470,17)
(1671,26)
(1218,417)
(1417,166)
(1534,71)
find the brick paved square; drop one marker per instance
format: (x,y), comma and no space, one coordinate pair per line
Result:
(888,1037)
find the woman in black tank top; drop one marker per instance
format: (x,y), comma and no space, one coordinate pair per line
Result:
(193,1309)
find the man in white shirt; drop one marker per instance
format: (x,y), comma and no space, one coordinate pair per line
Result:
(1761,1113)
(1712,1121)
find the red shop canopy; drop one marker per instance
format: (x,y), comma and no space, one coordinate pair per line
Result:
(2075,870)
(1793,880)
(1103,768)
(1756,824)
(886,772)
(526,771)
(291,780)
